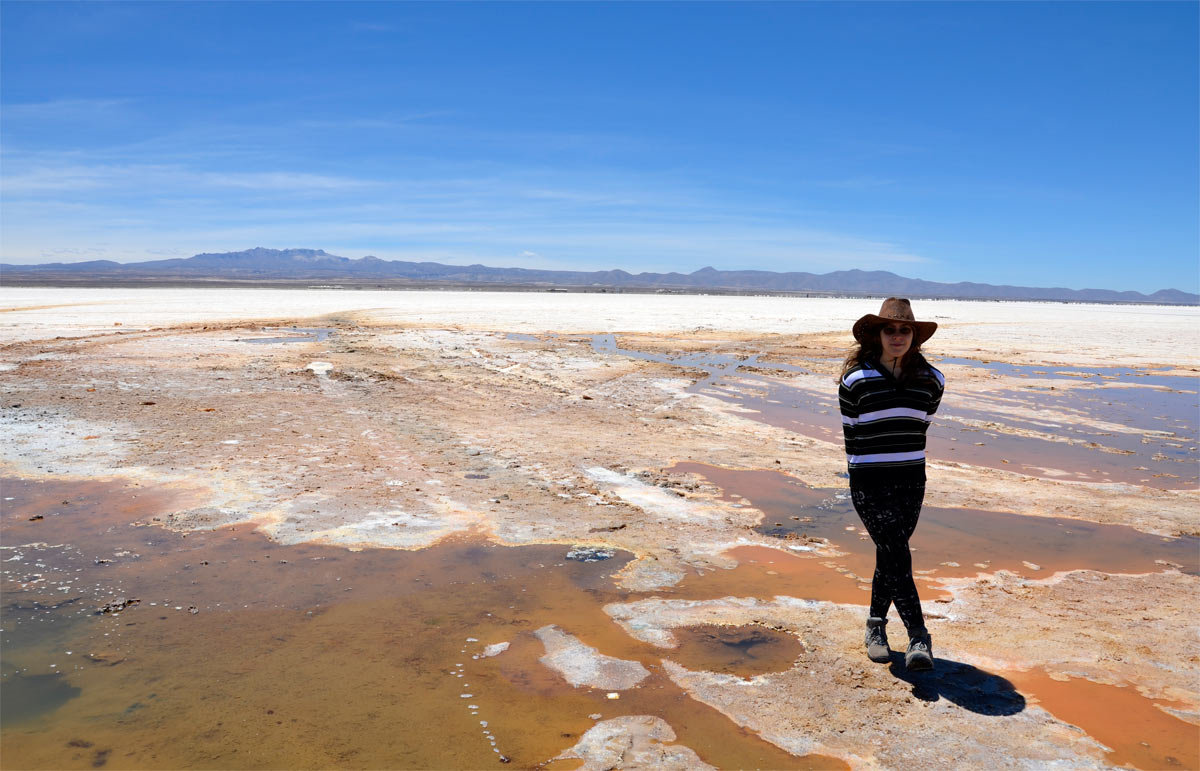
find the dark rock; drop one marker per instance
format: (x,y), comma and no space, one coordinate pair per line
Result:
(118,605)
(590,554)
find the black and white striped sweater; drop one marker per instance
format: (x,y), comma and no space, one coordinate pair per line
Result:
(884,421)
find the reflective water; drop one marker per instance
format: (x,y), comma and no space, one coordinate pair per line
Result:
(1058,372)
(298,335)
(1138,731)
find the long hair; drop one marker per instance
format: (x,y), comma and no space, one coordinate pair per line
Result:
(912,365)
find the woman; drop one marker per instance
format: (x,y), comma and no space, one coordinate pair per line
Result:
(888,392)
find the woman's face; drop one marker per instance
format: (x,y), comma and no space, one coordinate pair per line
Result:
(896,338)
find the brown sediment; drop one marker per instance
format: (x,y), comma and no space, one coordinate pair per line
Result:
(744,651)
(307,655)
(1031,546)
(1137,731)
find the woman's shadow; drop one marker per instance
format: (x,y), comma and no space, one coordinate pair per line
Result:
(962,684)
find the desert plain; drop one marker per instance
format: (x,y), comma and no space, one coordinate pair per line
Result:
(318,528)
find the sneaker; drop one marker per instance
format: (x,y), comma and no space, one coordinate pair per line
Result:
(877,644)
(919,657)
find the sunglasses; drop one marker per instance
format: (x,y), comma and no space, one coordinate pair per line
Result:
(890,330)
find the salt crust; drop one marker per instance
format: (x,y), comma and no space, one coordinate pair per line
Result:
(583,665)
(1016,332)
(632,741)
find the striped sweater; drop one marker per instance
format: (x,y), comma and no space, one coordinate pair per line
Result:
(884,421)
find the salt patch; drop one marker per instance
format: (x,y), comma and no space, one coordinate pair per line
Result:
(320,368)
(652,499)
(633,741)
(494,650)
(583,665)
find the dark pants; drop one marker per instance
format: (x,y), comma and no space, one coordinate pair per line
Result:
(889,507)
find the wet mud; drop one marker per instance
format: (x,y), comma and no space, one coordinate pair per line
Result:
(744,651)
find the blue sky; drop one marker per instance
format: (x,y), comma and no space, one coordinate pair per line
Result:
(1039,144)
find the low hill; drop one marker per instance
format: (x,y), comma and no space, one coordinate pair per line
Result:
(267,265)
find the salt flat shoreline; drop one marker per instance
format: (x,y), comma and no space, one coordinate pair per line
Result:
(1015,331)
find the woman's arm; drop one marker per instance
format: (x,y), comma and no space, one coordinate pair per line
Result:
(937,386)
(848,403)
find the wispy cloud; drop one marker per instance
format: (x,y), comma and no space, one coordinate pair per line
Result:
(69,178)
(281,181)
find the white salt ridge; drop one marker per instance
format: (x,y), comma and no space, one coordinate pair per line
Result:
(320,368)
(396,528)
(633,741)
(652,499)
(494,650)
(583,665)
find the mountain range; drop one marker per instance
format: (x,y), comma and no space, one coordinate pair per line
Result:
(290,265)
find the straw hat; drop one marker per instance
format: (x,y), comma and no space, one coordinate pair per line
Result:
(894,310)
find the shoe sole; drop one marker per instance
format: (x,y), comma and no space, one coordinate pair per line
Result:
(880,658)
(919,664)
